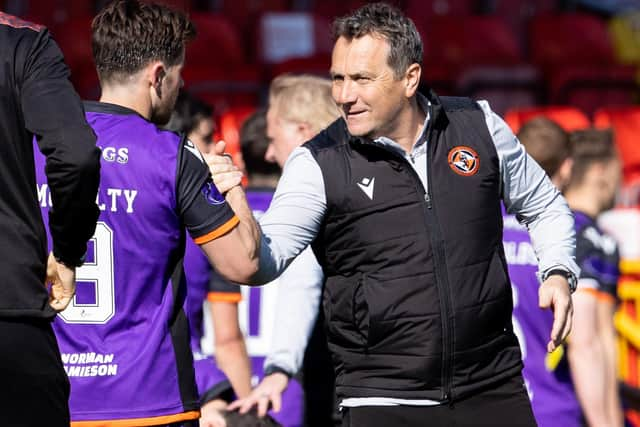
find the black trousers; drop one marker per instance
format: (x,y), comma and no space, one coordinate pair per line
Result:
(506,405)
(35,387)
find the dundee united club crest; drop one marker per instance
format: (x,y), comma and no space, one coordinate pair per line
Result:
(464,161)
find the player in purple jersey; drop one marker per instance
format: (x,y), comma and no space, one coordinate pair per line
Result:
(546,375)
(591,191)
(124,339)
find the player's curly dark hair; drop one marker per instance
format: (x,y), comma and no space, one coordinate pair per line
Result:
(389,22)
(129,34)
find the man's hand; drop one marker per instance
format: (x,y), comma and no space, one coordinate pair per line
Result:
(63,283)
(554,293)
(211,414)
(224,173)
(269,391)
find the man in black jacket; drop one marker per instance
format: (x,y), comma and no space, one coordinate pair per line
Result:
(401,202)
(38,100)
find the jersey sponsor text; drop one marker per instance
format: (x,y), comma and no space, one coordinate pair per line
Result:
(89,364)
(110,198)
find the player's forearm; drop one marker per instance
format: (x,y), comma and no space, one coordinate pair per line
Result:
(233,360)
(248,229)
(588,373)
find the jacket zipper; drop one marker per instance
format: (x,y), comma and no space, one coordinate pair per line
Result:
(442,278)
(442,282)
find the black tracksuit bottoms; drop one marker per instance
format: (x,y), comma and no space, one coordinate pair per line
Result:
(504,405)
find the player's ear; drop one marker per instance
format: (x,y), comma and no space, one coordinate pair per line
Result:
(156,75)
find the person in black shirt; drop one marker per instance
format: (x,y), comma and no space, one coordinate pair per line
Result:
(38,100)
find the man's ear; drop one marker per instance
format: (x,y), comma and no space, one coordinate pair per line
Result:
(412,79)
(157,73)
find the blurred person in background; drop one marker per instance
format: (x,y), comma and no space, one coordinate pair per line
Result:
(38,100)
(547,376)
(300,106)
(194,118)
(595,178)
(125,338)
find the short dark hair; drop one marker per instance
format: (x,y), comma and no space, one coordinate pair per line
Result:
(590,146)
(546,142)
(188,112)
(254,143)
(129,34)
(389,22)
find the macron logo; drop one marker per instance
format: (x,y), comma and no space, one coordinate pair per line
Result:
(366,185)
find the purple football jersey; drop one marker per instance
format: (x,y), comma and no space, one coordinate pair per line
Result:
(124,338)
(548,383)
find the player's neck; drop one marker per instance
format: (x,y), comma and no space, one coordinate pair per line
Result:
(129,97)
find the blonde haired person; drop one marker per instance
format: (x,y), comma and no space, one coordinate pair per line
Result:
(300,106)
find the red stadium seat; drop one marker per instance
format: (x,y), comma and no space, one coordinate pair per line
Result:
(569,118)
(216,68)
(518,13)
(461,41)
(223,87)
(575,51)
(503,87)
(625,122)
(479,57)
(570,39)
(218,41)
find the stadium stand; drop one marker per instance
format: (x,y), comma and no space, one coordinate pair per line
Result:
(569,118)
(483,61)
(229,129)
(625,122)
(575,53)
(225,77)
